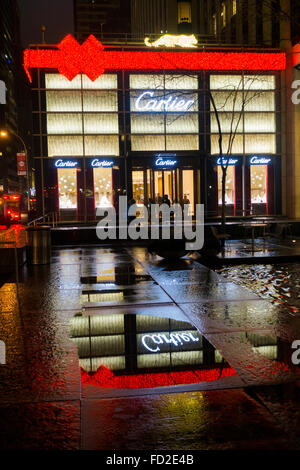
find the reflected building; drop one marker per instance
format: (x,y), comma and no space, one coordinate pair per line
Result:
(131,344)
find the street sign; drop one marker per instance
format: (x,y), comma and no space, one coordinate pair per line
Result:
(21,164)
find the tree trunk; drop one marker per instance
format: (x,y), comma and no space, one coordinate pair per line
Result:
(223,219)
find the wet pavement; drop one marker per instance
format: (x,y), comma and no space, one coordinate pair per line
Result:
(263,250)
(151,326)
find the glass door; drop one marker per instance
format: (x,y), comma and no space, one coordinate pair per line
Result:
(158,186)
(187,193)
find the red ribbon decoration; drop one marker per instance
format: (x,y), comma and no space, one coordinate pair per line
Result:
(70,58)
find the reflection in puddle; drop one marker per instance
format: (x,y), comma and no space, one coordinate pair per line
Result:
(266,345)
(103,296)
(123,279)
(279,283)
(116,275)
(137,351)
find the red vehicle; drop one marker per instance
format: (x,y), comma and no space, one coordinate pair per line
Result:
(11,208)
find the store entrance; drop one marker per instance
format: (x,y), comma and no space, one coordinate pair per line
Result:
(165,186)
(154,185)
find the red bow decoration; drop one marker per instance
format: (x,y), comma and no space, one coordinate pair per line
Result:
(87,58)
(70,59)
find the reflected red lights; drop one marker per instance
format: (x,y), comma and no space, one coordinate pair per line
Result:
(104,377)
(70,58)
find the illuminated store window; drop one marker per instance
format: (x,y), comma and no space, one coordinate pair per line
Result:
(165,105)
(61,145)
(169,184)
(214,22)
(188,189)
(168,82)
(246,108)
(64,123)
(103,187)
(237,147)
(101,123)
(63,101)
(233,7)
(67,188)
(100,101)
(105,275)
(184,12)
(258,175)
(138,191)
(101,145)
(82,115)
(158,186)
(223,15)
(229,185)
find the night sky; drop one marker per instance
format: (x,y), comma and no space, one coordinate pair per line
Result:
(56,15)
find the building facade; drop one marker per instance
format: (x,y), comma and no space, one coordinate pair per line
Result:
(171,16)
(148,127)
(241,22)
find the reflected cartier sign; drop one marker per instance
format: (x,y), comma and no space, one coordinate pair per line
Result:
(151,341)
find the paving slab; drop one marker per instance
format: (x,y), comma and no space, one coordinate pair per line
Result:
(215,420)
(40,426)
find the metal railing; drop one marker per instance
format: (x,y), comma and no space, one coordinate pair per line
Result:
(50,218)
(130,40)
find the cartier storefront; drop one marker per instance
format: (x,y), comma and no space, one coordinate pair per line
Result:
(149,129)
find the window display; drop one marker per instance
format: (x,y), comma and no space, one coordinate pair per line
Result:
(103,187)
(229,185)
(67,188)
(258,175)
(246,107)
(138,187)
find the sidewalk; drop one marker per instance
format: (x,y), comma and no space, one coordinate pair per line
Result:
(44,406)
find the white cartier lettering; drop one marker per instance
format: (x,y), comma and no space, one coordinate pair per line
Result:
(231,161)
(65,164)
(259,161)
(143,103)
(101,163)
(161,162)
(177,339)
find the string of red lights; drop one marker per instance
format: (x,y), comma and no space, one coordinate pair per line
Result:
(104,377)
(70,58)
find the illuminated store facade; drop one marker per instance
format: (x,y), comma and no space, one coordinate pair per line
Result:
(149,132)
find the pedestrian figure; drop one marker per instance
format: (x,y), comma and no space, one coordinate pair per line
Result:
(130,217)
(166,200)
